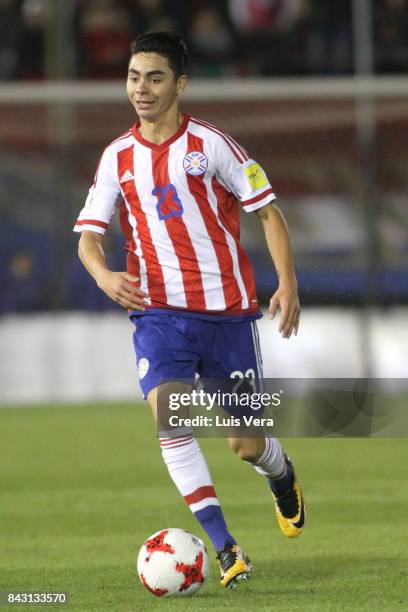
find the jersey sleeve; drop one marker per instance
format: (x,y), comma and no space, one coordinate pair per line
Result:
(243,176)
(103,197)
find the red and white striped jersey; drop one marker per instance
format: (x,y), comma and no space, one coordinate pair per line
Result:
(179,210)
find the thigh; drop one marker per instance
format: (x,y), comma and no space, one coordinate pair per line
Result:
(232,350)
(164,351)
(232,369)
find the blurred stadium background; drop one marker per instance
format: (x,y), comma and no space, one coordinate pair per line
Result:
(316,91)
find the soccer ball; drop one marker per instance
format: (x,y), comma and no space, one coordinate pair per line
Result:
(173,562)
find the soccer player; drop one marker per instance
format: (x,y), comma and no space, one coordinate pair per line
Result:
(178,183)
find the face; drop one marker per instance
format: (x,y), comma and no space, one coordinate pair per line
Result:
(151,85)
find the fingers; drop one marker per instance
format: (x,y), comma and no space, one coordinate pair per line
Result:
(290,323)
(296,326)
(131,304)
(130,301)
(121,288)
(129,290)
(130,277)
(126,294)
(283,321)
(287,300)
(273,306)
(131,297)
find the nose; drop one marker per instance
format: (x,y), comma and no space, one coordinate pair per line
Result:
(141,87)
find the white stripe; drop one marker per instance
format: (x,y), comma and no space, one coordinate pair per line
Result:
(173,280)
(231,140)
(234,142)
(258,363)
(115,146)
(263,202)
(127,134)
(269,449)
(229,237)
(259,371)
(234,146)
(195,225)
(142,264)
(89,226)
(261,386)
(259,346)
(207,501)
(230,242)
(132,220)
(264,458)
(238,148)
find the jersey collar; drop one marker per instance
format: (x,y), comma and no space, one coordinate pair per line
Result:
(166,143)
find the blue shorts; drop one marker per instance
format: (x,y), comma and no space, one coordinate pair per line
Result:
(170,347)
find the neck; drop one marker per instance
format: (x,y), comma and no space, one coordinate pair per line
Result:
(159,130)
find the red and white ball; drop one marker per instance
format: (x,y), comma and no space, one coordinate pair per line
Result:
(173,562)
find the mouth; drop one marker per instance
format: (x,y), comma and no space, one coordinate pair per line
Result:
(142,105)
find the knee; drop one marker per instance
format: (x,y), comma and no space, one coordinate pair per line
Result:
(247,449)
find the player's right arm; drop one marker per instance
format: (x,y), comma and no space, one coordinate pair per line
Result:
(119,286)
(92,222)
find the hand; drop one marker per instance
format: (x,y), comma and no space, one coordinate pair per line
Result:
(120,287)
(286,298)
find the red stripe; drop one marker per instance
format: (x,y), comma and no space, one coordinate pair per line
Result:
(162,439)
(198,190)
(228,208)
(248,277)
(132,260)
(155,280)
(92,222)
(257,198)
(226,138)
(230,219)
(200,494)
(230,138)
(170,441)
(179,236)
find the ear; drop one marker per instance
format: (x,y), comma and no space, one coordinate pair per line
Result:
(181,84)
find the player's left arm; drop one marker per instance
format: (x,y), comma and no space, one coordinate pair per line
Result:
(245,178)
(286,296)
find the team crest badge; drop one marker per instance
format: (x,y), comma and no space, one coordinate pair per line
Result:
(195,163)
(143,367)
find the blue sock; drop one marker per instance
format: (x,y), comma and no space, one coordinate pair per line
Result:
(212,521)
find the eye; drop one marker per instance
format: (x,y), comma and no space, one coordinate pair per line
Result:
(156,80)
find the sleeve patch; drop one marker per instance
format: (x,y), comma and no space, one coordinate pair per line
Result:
(255,176)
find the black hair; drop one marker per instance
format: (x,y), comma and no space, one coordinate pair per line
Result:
(168,44)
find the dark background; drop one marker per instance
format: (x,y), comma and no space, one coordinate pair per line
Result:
(341,180)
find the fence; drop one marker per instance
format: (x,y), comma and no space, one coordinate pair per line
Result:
(80,357)
(335,149)
(336,152)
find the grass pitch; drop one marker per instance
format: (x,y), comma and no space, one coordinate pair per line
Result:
(83,486)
